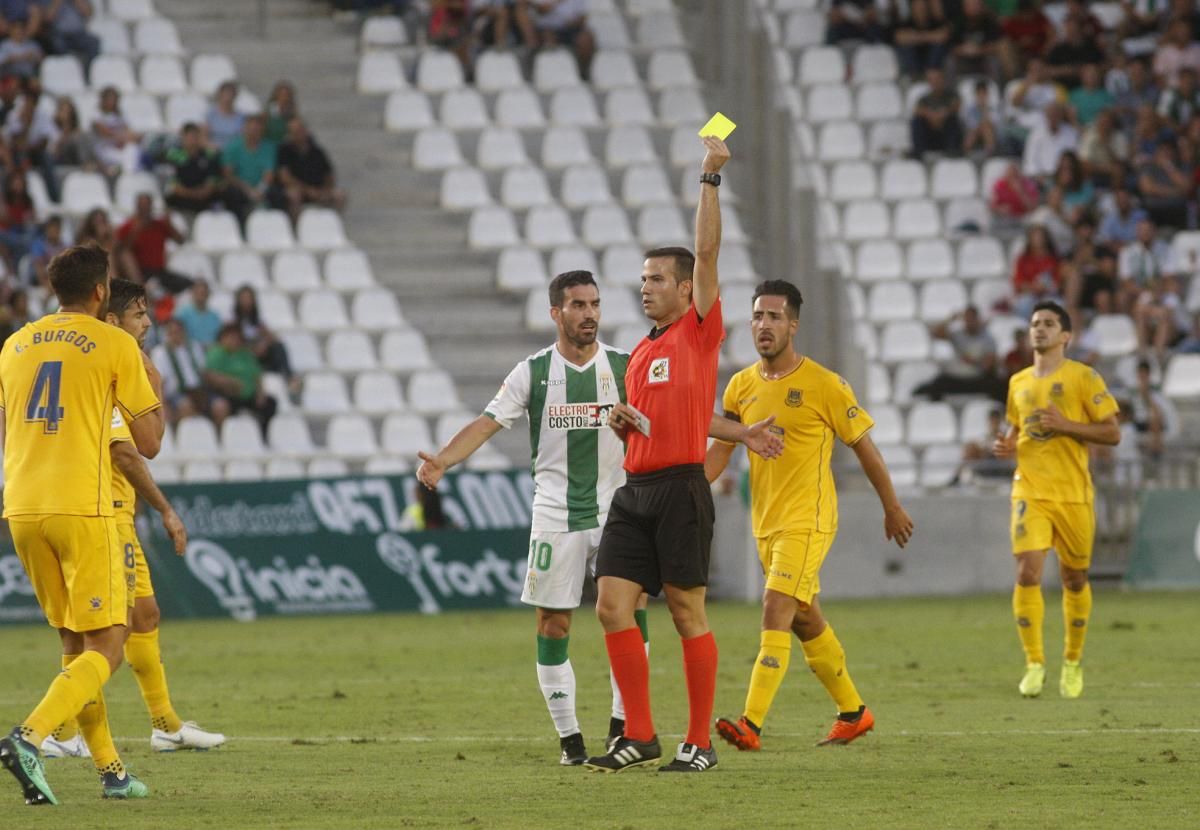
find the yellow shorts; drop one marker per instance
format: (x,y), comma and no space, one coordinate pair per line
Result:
(127,533)
(1068,528)
(81,576)
(792,559)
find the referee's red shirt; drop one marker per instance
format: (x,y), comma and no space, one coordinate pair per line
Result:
(672,380)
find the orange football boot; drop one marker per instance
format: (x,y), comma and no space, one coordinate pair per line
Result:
(844,731)
(739,733)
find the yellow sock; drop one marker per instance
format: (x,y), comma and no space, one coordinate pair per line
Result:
(75,685)
(93,723)
(1030,609)
(1077,607)
(827,659)
(69,728)
(144,657)
(769,670)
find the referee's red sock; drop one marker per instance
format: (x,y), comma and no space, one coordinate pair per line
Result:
(700,666)
(627,656)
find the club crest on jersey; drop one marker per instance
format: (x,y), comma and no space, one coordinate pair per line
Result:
(660,370)
(795,397)
(606,384)
(1056,391)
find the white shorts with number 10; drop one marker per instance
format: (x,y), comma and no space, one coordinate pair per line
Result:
(557,562)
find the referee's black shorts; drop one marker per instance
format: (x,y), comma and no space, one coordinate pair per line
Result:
(659,529)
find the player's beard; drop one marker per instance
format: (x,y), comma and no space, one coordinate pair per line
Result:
(581,337)
(771,350)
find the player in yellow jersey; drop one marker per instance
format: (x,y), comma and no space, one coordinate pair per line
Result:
(60,378)
(1055,409)
(794,509)
(127,310)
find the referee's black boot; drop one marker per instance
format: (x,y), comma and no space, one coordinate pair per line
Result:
(627,753)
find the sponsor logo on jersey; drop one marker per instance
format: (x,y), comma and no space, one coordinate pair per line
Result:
(1033,428)
(577,415)
(776,429)
(555,382)
(660,370)
(795,397)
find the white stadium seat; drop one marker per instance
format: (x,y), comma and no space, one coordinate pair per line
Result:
(645,184)
(304,353)
(549,226)
(210,71)
(432,392)
(821,65)
(112,70)
(439,71)
(670,68)
(162,75)
(385,32)
(215,232)
(320,229)
(463,109)
(240,268)
(131,185)
(520,269)
(953,178)
(436,148)
(407,110)
(853,180)
(142,113)
(322,311)
(131,10)
(660,225)
(81,192)
(681,105)
(500,148)
(183,107)
(623,107)
(829,102)
(326,467)
(113,34)
(903,179)
(241,437)
(196,437)
(660,31)
(351,437)
(279,469)
(406,434)
(939,464)
(931,423)
(492,227)
(324,394)
(192,263)
(804,28)
(909,376)
(904,341)
(564,147)
(929,259)
(866,220)
(1115,335)
(878,102)
(606,225)
(614,69)
(575,106)
(496,71)
(889,138)
(840,140)
(379,73)
(1182,378)
(573,258)
(629,145)
(405,350)
(940,299)
(981,257)
(879,384)
(375,309)
(288,435)
(464,188)
(891,301)
(62,75)
(916,219)
(520,109)
(889,425)
(350,351)
(584,186)
(348,269)
(524,187)
(377,393)
(269,231)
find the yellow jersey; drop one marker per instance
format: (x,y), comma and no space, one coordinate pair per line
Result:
(60,378)
(812,406)
(1055,467)
(124,496)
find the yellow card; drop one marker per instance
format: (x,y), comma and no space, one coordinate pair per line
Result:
(718,125)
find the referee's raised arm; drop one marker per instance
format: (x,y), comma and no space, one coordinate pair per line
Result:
(705,287)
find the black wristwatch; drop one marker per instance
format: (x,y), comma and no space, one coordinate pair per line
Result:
(711,178)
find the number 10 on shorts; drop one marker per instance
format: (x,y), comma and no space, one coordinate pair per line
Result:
(539,555)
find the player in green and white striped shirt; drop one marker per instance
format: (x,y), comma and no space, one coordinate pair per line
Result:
(566,391)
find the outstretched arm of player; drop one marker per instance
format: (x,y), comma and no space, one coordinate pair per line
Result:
(131,465)
(705,288)
(1106,432)
(896,522)
(147,431)
(458,449)
(758,438)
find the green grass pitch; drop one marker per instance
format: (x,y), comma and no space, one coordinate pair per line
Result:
(408,721)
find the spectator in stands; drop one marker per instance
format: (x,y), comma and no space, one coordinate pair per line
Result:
(1089,24)
(981,121)
(249,162)
(64,29)
(853,20)
(1160,316)
(233,374)
(223,120)
(271,353)
(1052,137)
(70,145)
(28,12)
(305,172)
(973,370)
(1176,51)
(14,315)
(1078,191)
(1020,356)
(564,22)
(1066,59)
(1133,91)
(1142,18)
(181,362)
(1165,186)
(1036,275)
(935,124)
(281,108)
(1120,222)
(1014,195)
(1028,30)
(29,131)
(979,457)
(922,39)
(142,247)
(1099,283)
(96,228)
(1104,149)
(20,55)
(450,29)
(1191,343)
(199,181)
(48,244)
(1053,216)
(1180,102)
(1090,98)
(1082,261)
(116,145)
(1142,261)
(18,224)
(1152,414)
(1029,97)
(200,321)
(978,46)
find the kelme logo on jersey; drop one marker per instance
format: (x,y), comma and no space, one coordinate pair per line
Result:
(660,370)
(795,397)
(577,415)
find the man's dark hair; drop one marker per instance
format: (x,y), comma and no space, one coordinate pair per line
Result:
(189,128)
(124,294)
(1064,319)
(229,328)
(75,273)
(685,260)
(565,280)
(780,288)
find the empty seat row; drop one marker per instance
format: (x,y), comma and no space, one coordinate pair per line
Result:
(465,109)
(321,310)
(156,74)
(976,258)
(429,392)
(400,350)
(345,269)
(318,229)
(908,220)
(904,179)
(827,65)
(521,268)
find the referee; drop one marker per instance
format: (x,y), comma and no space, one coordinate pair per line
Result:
(660,525)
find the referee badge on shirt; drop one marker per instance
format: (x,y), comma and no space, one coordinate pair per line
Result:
(660,370)
(795,397)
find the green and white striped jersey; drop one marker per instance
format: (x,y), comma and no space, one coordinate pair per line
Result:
(577,459)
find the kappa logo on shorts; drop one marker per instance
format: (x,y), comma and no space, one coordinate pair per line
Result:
(660,370)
